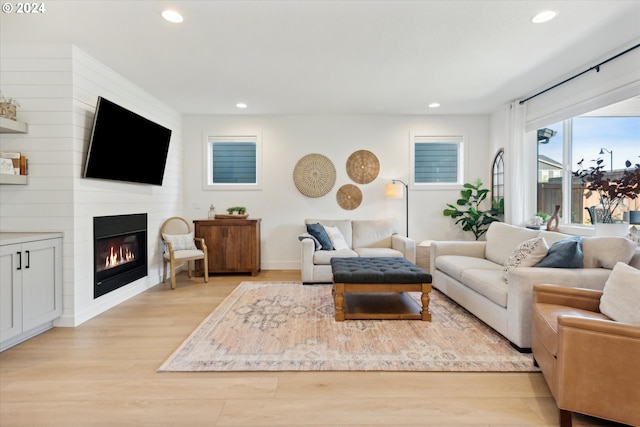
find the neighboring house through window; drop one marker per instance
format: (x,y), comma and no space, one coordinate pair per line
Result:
(233,162)
(436,160)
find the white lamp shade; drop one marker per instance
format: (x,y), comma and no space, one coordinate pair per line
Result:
(394,191)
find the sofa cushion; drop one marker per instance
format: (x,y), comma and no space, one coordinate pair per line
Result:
(378,252)
(565,253)
(318,231)
(344,225)
(487,283)
(621,295)
(337,239)
(604,251)
(374,233)
(454,265)
(324,257)
(527,254)
(503,238)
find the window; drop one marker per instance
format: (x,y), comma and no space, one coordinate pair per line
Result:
(613,139)
(497,179)
(436,160)
(232,162)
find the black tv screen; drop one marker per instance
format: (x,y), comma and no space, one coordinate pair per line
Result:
(125,146)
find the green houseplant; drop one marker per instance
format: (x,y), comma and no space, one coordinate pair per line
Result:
(467,209)
(611,191)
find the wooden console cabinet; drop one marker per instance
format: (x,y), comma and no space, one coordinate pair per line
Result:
(233,245)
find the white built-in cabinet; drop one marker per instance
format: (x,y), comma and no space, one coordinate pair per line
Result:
(30,285)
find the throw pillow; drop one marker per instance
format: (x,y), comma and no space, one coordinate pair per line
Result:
(565,253)
(317,231)
(336,237)
(527,254)
(621,295)
(316,244)
(180,242)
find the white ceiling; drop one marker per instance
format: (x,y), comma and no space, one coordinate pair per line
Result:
(342,57)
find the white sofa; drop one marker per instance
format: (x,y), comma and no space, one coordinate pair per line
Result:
(365,238)
(472,274)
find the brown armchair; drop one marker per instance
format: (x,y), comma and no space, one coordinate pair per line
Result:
(590,362)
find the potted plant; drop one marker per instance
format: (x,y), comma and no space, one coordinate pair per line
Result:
(468,211)
(611,191)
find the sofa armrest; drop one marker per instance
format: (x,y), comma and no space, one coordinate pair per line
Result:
(307,249)
(405,245)
(585,299)
(464,248)
(520,295)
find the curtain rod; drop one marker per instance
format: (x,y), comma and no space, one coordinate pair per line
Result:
(595,67)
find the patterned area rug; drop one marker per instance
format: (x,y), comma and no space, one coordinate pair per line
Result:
(264,326)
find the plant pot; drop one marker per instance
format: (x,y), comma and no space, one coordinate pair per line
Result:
(634,217)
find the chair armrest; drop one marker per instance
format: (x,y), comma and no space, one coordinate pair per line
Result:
(600,326)
(585,299)
(405,245)
(203,245)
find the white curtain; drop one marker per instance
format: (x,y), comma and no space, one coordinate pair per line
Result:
(517,170)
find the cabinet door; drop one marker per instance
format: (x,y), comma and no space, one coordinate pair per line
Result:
(41,282)
(238,247)
(10,292)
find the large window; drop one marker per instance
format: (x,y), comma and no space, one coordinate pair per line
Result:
(232,162)
(436,160)
(613,139)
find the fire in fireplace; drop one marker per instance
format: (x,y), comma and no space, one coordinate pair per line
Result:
(120,251)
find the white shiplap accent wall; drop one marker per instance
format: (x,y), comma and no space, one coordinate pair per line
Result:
(58,87)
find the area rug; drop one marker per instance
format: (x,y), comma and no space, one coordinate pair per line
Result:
(268,326)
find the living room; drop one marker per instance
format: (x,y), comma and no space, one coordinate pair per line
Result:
(58,81)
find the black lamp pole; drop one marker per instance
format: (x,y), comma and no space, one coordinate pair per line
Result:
(406,199)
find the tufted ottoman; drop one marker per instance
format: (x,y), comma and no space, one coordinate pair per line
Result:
(375,288)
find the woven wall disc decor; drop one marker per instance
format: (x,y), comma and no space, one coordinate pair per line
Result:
(363,166)
(349,197)
(314,175)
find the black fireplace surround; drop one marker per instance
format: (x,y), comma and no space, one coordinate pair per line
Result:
(120,251)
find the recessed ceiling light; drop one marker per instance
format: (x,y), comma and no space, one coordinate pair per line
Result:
(434,105)
(544,16)
(172,16)
(241,105)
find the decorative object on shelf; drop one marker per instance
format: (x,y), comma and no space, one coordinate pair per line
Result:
(349,197)
(8,107)
(397,190)
(473,218)
(363,166)
(212,212)
(234,212)
(231,216)
(314,175)
(554,220)
(535,222)
(612,190)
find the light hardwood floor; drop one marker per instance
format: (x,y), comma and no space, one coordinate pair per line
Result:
(103,373)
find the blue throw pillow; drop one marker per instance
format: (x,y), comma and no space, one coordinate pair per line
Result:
(565,253)
(317,231)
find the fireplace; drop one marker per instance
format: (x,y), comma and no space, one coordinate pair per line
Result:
(120,251)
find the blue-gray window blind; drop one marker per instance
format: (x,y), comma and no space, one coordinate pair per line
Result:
(233,162)
(436,162)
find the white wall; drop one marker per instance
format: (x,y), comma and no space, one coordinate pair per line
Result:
(58,87)
(287,138)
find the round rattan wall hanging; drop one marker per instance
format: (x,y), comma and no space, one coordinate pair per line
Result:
(314,175)
(349,197)
(363,166)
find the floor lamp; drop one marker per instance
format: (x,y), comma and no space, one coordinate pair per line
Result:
(397,190)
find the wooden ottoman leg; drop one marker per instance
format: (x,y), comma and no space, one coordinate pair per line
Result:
(338,301)
(426,288)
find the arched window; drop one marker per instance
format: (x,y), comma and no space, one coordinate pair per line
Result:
(497,180)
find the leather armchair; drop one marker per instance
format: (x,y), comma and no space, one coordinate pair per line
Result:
(590,362)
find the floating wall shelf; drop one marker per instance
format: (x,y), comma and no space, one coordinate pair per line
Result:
(11,126)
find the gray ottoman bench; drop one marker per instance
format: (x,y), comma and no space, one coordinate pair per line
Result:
(375,288)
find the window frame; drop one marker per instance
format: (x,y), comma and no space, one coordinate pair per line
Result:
(207,159)
(424,137)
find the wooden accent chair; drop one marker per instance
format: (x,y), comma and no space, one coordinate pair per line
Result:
(181,246)
(589,361)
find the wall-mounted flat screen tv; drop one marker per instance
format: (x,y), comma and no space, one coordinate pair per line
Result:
(125,146)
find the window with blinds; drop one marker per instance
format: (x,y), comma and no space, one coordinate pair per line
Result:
(437,160)
(233,162)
